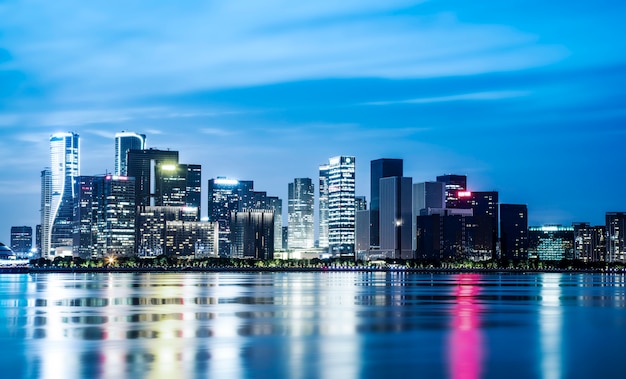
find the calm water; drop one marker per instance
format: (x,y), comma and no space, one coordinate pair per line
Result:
(312,325)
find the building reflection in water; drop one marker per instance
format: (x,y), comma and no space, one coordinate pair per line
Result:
(550,323)
(465,344)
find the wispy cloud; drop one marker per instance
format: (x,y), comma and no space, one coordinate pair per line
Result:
(476,96)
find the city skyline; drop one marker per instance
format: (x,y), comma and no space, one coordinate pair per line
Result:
(523,98)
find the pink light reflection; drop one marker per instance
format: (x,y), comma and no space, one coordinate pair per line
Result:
(465,345)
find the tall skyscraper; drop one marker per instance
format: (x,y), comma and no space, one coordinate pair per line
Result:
(380,168)
(323,205)
(514,231)
(58,193)
(395,213)
(483,231)
(104,216)
(276,204)
(125,141)
(589,242)
(141,165)
(426,195)
(252,233)
(178,185)
(340,181)
(454,184)
(226,196)
(616,237)
(21,240)
(300,213)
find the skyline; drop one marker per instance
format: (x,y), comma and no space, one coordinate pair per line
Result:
(449,88)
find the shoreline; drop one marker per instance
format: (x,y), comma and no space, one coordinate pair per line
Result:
(37,270)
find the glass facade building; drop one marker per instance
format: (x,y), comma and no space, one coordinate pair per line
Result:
(616,238)
(551,242)
(324,172)
(589,242)
(125,141)
(252,234)
(341,207)
(514,231)
(380,168)
(142,165)
(21,240)
(453,184)
(301,202)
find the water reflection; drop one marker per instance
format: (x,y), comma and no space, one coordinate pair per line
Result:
(465,346)
(550,323)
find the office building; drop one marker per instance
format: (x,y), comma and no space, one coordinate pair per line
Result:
(125,141)
(142,165)
(380,168)
(252,234)
(300,213)
(514,231)
(57,194)
(360,203)
(191,239)
(178,185)
(340,181)
(483,227)
(153,230)
(395,217)
(453,184)
(224,197)
(324,173)
(442,234)
(589,242)
(104,216)
(22,240)
(362,235)
(551,242)
(275,204)
(426,195)
(616,238)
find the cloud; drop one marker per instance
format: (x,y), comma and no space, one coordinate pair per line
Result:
(476,96)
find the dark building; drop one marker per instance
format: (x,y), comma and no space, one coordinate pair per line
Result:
(380,168)
(454,184)
(285,237)
(483,231)
(21,240)
(395,213)
(141,165)
(442,236)
(153,230)
(224,197)
(589,242)
(514,231)
(38,239)
(252,234)
(178,185)
(616,237)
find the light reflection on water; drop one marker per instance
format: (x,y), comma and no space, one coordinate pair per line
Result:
(312,325)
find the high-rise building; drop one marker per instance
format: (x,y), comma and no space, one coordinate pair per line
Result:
(142,165)
(442,234)
(360,203)
(426,195)
(341,208)
(589,242)
(362,234)
(125,141)
(104,216)
(252,233)
(226,196)
(616,237)
(38,239)
(483,227)
(155,235)
(380,168)
(551,242)
(191,239)
(324,172)
(395,214)
(300,214)
(21,240)
(178,185)
(514,231)
(58,193)
(454,184)
(276,204)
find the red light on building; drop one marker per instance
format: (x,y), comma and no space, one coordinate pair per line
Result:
(461,194)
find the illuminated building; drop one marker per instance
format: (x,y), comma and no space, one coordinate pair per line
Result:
(153,228)
(453,184)
(178,185)
(340,182)
(125,141)
(551,242)
(616,239)
(514,231)
(142,165)
(360,203)
(57,195)
(104,216)
(21,240)
(483,227)
(380,168)
(276,204)
(191,238)
(300,214)
(6,252)
(324,171)
(589,242)
(252,234)
(362,234)
(226,196)
(395,214)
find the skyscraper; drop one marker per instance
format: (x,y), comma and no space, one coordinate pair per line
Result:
(395,213)
(276,204)
(252,233)
(142,165)
(483,231)
(125,141)
(616,237)
(380,168)
(341,208)
(21,240)
(58,192)
(300,214)
(589,242)
(323,205)
(426,195)
(178,185)
(454,184)
(514,231)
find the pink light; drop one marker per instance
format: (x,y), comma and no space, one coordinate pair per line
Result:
(464,194)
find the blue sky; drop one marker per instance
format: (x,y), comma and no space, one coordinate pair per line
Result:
(524,97)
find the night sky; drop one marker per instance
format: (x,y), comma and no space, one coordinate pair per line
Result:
(524,97)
